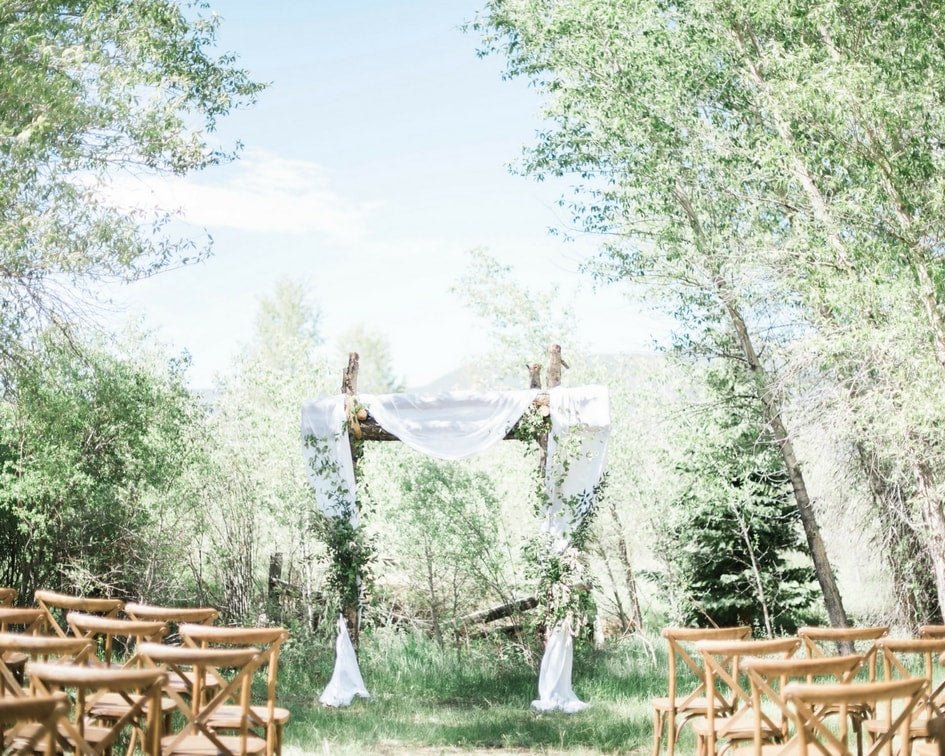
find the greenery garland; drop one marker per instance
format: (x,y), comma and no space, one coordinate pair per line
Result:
(350,551)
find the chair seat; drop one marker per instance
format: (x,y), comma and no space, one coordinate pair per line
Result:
(185,685)
(91,733)
(737,730)
(918,727)
(114,706)
(228,717)
(667,704)
(195,745)
(768,749)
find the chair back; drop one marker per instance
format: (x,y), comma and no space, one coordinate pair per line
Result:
(28,724)
(39,647)
(814,735)
(57,605)
(172,616)
(192,666)
(8,596)
(768,678)
(115,637)
(140,688)
(202,615)
(22,620)
(834,641)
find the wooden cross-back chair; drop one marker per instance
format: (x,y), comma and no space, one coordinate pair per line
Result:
(39,647)
(8,596)
(725,681)
(268,719)
(905,658)
(82,733)
(807,700)
(686,692)
(834,641)
(770,710)
(172,616)
(28,724)
(831,641)
(197,735)
(20,620)
(117,641)
(57,605)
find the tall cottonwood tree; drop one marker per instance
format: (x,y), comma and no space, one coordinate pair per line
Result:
(852,92)
(822,123)
(649,105)
(91,89)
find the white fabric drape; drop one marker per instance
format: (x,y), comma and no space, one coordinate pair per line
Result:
(330,468)
(454,426)
(327,456)
(577,455)
(346,682)
(554,677)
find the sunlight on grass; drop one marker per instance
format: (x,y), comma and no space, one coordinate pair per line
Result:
(431,700)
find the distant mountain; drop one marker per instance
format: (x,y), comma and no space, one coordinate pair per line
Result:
(472,376)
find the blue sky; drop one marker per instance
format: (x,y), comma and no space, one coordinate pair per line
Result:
(375,161)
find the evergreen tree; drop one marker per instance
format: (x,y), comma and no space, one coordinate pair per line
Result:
(732,540)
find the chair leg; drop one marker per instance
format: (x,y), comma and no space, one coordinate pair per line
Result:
(657,731)
(671,732)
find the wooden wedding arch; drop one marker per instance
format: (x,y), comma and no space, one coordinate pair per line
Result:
(363,427)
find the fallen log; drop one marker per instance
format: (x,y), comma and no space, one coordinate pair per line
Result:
(501,611)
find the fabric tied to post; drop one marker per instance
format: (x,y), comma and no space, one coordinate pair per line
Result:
(554,678)
(577,456)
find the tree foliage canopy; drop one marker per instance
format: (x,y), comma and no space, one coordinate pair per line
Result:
(89,89)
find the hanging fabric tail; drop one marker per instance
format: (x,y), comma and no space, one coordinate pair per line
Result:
(554,678)
(346,681)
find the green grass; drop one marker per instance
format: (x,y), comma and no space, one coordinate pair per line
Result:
(428,700)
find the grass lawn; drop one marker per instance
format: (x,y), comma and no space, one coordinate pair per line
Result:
(473,700)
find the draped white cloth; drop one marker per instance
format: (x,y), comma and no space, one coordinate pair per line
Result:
(554,677)
(327,456)
(346,682)
(449,426)
(577,456)
(456,425)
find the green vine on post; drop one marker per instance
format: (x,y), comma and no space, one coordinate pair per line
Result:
(350,552)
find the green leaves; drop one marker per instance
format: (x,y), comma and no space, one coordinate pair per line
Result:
(90,89)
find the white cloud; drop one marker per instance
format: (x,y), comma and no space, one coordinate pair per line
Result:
(260,193)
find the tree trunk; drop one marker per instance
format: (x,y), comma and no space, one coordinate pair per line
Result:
(772,416)
(905,550)
(935,523)
(818,551)
(623,554)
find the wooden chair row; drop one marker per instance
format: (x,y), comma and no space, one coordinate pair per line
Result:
(745,693)
(139,694)
(92,634)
